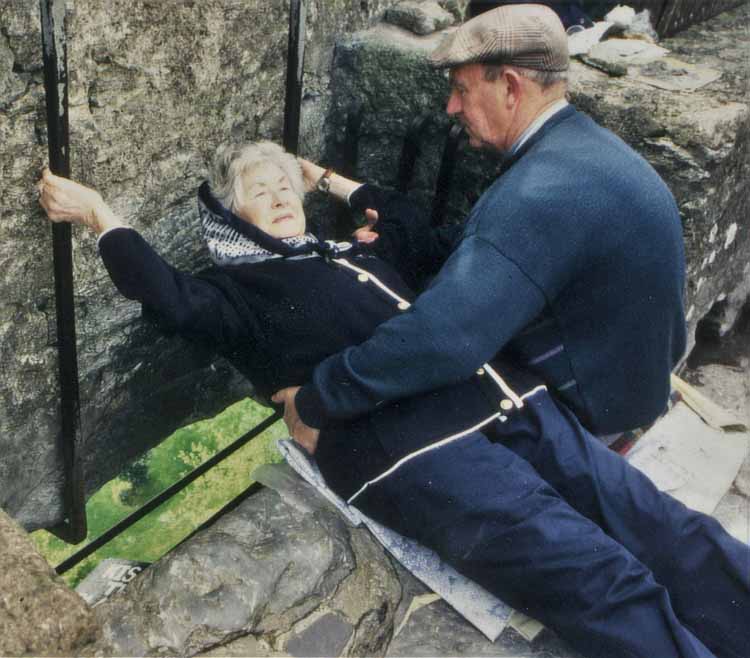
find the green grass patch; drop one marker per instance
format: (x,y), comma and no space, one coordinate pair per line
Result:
(158,532)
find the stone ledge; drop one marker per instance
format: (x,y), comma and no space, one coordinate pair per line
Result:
(281,573)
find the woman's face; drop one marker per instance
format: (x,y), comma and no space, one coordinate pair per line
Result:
(269,202)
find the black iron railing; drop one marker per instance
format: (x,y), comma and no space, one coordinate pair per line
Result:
(165,495)
(54,48)
(410,153)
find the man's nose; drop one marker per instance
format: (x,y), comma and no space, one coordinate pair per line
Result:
(454,104)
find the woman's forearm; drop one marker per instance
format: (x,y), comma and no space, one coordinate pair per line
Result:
(104,219)
(341,187)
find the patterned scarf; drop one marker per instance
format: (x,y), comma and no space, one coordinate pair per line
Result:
(233,241)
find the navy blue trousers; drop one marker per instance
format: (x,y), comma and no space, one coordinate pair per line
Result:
(543,515)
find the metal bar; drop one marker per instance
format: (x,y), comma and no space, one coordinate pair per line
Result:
(410,151)
(350,150)
(447,165)
(54,49)
(170,491)
(294,75)
(348,164)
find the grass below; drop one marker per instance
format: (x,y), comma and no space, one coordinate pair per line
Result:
(162,529)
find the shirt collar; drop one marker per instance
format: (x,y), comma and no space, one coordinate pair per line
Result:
(538,123)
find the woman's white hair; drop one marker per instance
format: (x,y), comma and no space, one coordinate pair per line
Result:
(232,161)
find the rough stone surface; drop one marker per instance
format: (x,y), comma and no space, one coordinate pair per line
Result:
(419,17)
(326,636)
(437,630)
(697,141)
(155,87)
(455,7)
(285,570)
(742,483)
(39,614)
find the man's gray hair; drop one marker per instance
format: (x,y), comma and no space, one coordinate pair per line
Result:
(545,79)
(232,161)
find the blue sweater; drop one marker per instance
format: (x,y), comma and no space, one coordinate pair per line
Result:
(572,262)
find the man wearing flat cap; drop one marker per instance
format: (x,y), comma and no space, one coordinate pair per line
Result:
(571,264)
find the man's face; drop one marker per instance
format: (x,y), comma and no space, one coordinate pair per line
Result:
(269,202)
(480,105)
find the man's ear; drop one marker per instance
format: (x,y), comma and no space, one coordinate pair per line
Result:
(513,87)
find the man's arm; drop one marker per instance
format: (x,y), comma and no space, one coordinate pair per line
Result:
(478,301)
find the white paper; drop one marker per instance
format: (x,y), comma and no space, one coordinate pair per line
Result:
(695,463)
(579,43)
(627,51)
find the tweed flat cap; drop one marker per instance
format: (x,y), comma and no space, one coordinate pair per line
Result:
(526,35)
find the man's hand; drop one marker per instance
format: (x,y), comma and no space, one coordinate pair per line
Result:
(306,436)
(365,233)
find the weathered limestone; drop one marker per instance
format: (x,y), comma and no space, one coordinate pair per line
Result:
(39,614)
(419,17)
(155,87)
(285,569)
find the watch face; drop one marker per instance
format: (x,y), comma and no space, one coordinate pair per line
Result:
(324,184)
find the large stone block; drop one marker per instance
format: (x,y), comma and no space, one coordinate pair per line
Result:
(282,573)
(155,87)
(39,614)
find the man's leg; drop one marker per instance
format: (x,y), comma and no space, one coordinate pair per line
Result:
(705,570)
(489,514)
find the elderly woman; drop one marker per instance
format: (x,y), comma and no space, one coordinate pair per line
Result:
(581,549)
(278,300)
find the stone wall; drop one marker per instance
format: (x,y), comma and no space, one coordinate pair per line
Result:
(155,86)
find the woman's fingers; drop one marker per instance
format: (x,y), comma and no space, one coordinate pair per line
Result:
(65,200)
(310,173)
(365,233)
(371,217)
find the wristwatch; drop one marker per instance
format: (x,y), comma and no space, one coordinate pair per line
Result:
(324,182)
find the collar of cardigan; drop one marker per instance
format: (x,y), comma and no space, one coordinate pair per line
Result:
(556,119)
(233,241)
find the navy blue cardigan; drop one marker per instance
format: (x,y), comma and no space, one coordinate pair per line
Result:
(276,320)
(572,261)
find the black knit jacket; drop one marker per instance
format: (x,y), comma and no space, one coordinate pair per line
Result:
(275,320)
